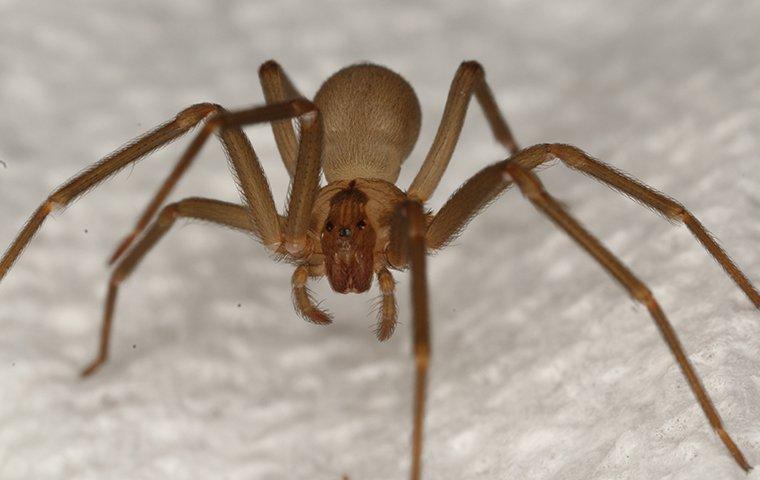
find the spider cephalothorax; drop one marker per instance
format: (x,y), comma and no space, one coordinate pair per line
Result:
(360,128)
(351,220)
(348,242)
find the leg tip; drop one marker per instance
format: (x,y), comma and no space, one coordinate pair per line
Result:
(734,450)
(268,67)
(92,368)
(318,317)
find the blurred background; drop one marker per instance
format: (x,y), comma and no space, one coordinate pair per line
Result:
(543,367)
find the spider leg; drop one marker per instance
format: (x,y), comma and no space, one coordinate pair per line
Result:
(60,198)
(386,323)
(263,219)
(469,79)
(278,88)
(221,213)
(487,184)
(533,190)
(474,195)
(250,175)
(303,300)
(305,184)
(179,169)
(407,246)
(579,160)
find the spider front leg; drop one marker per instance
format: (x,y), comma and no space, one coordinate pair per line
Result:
(277,89)
(487,184)
(220,213)
(245,164)
(407,247)
(579,160)
(533,189)
(79,185)
(262,215)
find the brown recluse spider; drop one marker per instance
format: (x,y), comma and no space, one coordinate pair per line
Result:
(358,130)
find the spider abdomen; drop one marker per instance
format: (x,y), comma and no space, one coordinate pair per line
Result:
(371,119)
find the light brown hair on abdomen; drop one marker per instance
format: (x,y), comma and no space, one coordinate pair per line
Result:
(371,119)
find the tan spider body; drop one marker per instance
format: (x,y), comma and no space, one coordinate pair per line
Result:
(371,120)
(359,129)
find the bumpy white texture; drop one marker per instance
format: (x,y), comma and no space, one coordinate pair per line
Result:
(543,368)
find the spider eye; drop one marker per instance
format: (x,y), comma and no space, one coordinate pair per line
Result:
(361,224)
(329,226)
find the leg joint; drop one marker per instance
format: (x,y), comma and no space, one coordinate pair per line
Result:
(643,295)
(268,67)
(300,277)
(191,116)
(117,277)
(306,111)
(684,215)
(529,185)
(422,355)
(415,216)
(387,284)
(168,214)
(569,154)
(473,66)
(55,203)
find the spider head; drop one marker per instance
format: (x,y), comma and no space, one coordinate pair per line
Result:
(348,242)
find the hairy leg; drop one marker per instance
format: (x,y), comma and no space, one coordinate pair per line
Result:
(303,300)
(221,213)
(386,323)
(278,88)
(305,184)
(245,163)
(80,184)
(473,196)
(469,79)
(579,160)
(477,192)
(533,189)
(407,247)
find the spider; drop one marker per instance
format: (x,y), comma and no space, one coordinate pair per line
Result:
(360,127)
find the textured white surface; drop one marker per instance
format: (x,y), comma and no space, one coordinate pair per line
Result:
(542,367)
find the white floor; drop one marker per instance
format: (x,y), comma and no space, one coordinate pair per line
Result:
(543,368)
